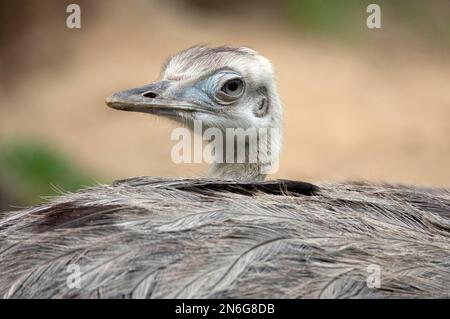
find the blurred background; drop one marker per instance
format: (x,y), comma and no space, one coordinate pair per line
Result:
(364,104)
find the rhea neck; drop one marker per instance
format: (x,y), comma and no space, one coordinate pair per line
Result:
(236,171)
(248,161)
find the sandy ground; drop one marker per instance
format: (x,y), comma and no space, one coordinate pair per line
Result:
(350,113)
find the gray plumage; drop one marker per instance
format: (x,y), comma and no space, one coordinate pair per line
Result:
(242,238)
(164,238)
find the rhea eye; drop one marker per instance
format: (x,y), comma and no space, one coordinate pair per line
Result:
(230,90)
(233,87)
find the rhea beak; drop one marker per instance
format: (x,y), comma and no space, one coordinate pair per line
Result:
(154,99)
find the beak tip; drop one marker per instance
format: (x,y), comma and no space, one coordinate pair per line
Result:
(112,101)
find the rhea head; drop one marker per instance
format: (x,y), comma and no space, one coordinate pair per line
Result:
(223,87)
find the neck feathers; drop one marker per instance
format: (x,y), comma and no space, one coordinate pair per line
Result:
(247,158)
(237,171)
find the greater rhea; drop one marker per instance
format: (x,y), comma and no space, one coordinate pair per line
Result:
(212,238)
(224,88)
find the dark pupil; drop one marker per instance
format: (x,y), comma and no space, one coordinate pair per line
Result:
(233,85)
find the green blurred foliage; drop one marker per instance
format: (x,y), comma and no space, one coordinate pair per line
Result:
(324,15)
(430,19)
(34,170)
(426,19)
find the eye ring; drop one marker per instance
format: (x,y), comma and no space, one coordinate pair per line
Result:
(230,91)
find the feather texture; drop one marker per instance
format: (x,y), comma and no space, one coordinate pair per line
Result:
(183,238)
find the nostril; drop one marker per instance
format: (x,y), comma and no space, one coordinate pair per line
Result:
(150,95)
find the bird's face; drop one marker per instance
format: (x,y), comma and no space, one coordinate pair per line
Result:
(221,87)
